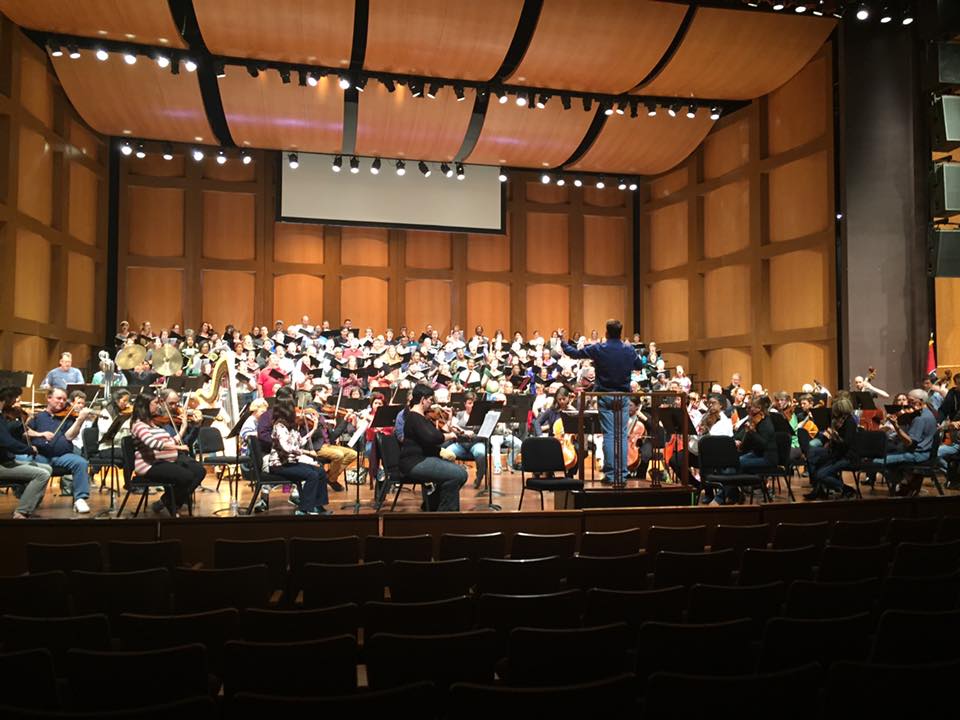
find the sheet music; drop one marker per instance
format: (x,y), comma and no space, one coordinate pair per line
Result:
(489,423)
(361,429)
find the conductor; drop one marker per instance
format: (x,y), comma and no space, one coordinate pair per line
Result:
(614,360)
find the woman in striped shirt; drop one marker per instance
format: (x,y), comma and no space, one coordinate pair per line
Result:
(291,457)
(161,458)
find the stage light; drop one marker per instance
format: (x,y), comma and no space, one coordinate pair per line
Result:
(600,184)
(416,89)
(293,161)
(284,75)
(633,185)
(126,148)
(312,79)
(389,84)
(375,167)
(102,55)
(433,90)
(801,8)
(907,18)
(446,170)
(502,96)
(73,51)
(651,109)
(778,6)
(621,184)
(577,182)
(253,70)
(197,154)
(167,151)
(461,174)
(337,164)
(246,158)
(424,169)
(633,108)
(354,165)
(130,58)
(587,104)
(361,84)
(521,99)
(565,102)
(458,91)
(163,61)
(401,168)
(715,113)
(344,82)
(502,176)
(221,158)
(691,111)
(141,153)
(607,110)
(863,12)
(189,65)
(672,111)
(621,108)
(545,178)
(55,49)
(220,69)
(560,181)
(542,101)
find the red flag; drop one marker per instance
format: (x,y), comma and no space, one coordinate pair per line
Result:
(931,357)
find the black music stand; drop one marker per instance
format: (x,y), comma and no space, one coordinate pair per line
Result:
(386,416)
(863,401)
(477,416)
(591,426)
(233,479)
(113,487)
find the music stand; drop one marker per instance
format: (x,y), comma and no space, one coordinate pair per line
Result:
(477,415)
(113,489)
(386,416)
(237,474)
(863,401)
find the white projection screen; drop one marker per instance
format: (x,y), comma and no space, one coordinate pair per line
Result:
(314,193)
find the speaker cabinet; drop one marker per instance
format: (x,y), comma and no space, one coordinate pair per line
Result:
(944,253)
(947,64)
(946,123)
(945,193)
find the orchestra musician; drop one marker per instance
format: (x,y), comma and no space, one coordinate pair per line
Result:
(18,457)
(917,440)
(836,454)
(464,446)
(291,457)
(62,375)
(714,422)
(758,448)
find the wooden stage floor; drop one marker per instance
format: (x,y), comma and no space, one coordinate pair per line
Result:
(506,494)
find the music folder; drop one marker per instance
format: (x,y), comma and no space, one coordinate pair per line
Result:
(863,401)
(480,410)
(386,416)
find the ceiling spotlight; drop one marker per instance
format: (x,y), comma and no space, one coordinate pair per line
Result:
(501,95)
(354,165)
(651,109)
(907,18)
(778,6)
(545,178)
(633,185)
(416,89)
(424,168)
(622,108)
(565,102)
(885,15)
(389,84)
(253,70)
(672,111)
(460,172)
(433,90)
(55,50)
(197,154)
(801,8)
(560,181)
(73,51)
(375,167)
(285,75)
(130,58)
(337,164)
(863,12)
(634,104)
(587,104)
(302,76)
(446,170)
(167,151)
(502,176)
(691,111)
(360,84)
(458,91)
(163,61)
(221,158)
(577,182)
(621,184)
(542,101)
(401,168)
(344,82)
(246,158)
(102,55)
(607,110)
(141,153)
(190,65)
(126,148)
(313,79)
(715,113)
(521,99)
(600,184)
(293,160)
(220,69)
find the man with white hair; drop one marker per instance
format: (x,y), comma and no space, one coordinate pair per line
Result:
(917,441)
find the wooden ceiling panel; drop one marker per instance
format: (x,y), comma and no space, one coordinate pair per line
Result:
(263,112)
(147,22)
(398,125)
(738,55)
(603,46)
(440,38)
(141,100)
(313,32)
(521,137)
(644,145)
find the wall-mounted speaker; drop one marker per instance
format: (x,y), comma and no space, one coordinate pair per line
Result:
(944,246)
(946,123)
(945,193)
(947,66)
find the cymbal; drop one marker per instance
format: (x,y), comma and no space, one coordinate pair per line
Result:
(131,356)
(167,360)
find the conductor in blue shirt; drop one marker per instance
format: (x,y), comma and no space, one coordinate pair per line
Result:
(614,360)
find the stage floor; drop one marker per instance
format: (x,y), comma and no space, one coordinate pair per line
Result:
(506,488)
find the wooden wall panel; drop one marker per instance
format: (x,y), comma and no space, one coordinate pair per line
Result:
(720,364)
(230,171)
(363,246)
(726,301)
(668,236)
(155,294)
(800,204)
(227,297)
(427,302)
(155,166)
(298,243)
(726,219)
(488,253)
(948,329)
(427,250)
(608,197)
(548,194)
(547,244)
(604,245)
(295,295)
(548,308)
(87,142)
(31,352)
(84,200)
(155,221)
(668,184)
(35,176)
(667,306)
(726,149)
(797,290)
(794,364)
(600,303)
(36,86)
(488,304)
(228,226)
(797,112)
(81,292)
(364,300)
(32,273)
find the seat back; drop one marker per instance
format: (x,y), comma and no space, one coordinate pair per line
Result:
(814,600)
(608,544)
(403,701)
(204,589)
(541,454)
(388,549)
(784,441)
(209,441)
(474,547)
(128,458)
(931,594)
(90,438)
(244,553)
(441,617)
(795,535)
(35,595)
(918,530)
(210,629)
(670,647)
(616,695)
(909,638)
(520,577)
(71,556)
(686,569)
(334,550)
(261,625)
(293,669)
(717,453)
(739,537)
(875,690)
(539,656)
(926,559)
(326,585)
(126,556)
(720,603)
(626,572)
(839,563)
(28,681)
(634,607)
(57,635)
(416,581)
(503,613)
(758,567)
(394,660)
(113,593)
(788,642)
(388,448)
(690,539)
(859,533)
(531,545)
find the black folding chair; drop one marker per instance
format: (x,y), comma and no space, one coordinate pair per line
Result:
(544,455)
(211,453)
(720,467)
(870,447)
(132,482)
(389,449)
(262,479)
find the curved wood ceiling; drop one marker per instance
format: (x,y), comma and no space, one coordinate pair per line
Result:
(604,46)
(739,55)
(398,125)
(644,145)
(440,38)
(147,22)
(142,100)
(313,32)
(521,137)
(263,112)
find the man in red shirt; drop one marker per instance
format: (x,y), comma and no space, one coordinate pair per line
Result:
(270,378)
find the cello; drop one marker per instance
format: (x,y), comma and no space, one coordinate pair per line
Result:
(635,434)
(566,444)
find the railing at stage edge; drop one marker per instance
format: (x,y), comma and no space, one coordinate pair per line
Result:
(656,399)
